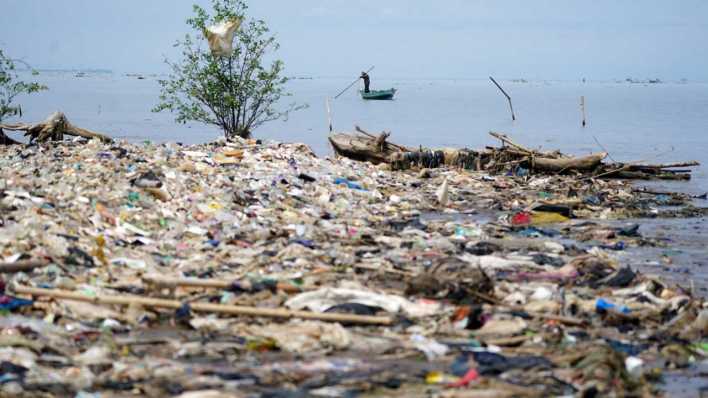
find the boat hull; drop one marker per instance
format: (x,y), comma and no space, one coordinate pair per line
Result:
(378,94)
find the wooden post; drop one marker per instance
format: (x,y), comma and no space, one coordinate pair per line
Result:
(513,117)
(582,108)
(329,115)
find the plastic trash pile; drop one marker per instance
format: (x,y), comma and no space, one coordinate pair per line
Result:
(472,284)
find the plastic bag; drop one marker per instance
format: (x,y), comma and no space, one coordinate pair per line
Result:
(221,37)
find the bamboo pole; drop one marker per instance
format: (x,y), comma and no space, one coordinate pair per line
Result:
(513,117)
(582,108)
(21,266)
(159,280)
(353,83)
(329,115)
(186,282)
(668,165)
(206,307)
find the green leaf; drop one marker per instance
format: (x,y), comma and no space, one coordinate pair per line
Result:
(10,88)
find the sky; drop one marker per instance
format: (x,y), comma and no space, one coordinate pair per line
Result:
(540,39)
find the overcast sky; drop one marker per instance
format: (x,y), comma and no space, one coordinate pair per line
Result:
(598,39)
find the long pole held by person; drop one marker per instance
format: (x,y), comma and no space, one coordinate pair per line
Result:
(353,83)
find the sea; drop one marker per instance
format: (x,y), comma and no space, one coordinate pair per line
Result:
(632,120)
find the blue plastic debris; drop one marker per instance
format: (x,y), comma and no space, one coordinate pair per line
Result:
(592,200)
(9,303)
(349,184)
(305,242)
(617,246)
(533,232)
(663,199)
(183,312)
(630,230)
(461,365)
(519,172)
(11,372)
(604,305)
(628,349)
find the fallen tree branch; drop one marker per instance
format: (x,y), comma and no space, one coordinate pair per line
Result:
(205,307)
(667,165)
(5,140)
(638,175)
(53,128)
(635,171)
(362,131)
(506,140)
(520,148)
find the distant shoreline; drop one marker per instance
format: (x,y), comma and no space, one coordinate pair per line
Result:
(512,80)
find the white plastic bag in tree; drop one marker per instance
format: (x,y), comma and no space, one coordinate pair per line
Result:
(221,36)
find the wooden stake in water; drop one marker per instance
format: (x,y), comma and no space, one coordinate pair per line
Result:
(582,108)
(513,117)
(329,115)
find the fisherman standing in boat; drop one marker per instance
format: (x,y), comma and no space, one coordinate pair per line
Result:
(367,80)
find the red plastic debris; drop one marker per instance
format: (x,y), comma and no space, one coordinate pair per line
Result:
(469,377)
(521,218)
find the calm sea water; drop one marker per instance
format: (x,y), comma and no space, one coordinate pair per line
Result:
(654,123)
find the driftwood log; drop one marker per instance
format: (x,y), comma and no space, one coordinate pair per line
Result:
(555,162)
(5,140)
(366,147)
(584,163)
(53,128)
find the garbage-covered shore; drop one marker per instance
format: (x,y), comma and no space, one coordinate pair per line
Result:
(251,269)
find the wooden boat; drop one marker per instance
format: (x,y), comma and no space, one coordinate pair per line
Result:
(378,94)
(363,147)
